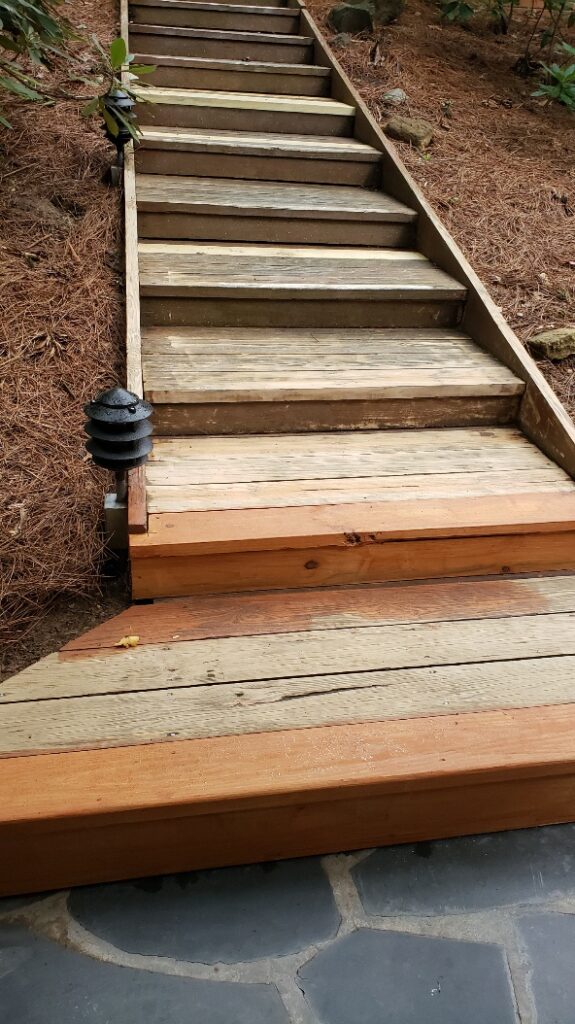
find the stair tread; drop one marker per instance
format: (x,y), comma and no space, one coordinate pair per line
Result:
(179,194)
(224,35)
(253,67)
(194,5)
(258,365)
(317,147)
(174,268)
(205,474)
(245,101)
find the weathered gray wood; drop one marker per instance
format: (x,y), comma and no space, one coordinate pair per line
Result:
(238,76)
(265,155)
(232,17)
(256,46)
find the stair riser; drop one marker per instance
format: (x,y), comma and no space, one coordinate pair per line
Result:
(281,417)
(359,563)
(280,230)
(230,312)
(174,77)
(173,115)
(257,168)
(223,21)
(221,49)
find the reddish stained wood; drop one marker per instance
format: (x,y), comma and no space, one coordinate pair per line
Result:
(197,618)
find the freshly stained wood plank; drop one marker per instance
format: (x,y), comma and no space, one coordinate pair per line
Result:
(450,486)
(353,525)
(206,711)
(157,193)
(193,804)
(198,618)
(246,101)
(209,271)
(363,563)
(357,651)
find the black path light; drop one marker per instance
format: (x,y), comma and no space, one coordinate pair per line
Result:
(120,106)
(119,432)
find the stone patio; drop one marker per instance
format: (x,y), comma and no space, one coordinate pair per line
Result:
(478,930)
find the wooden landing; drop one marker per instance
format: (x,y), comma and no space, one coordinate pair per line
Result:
(256,726)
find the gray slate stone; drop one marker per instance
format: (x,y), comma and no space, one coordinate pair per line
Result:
(453,876)
(43,983)
(374,977)
(550,942)
(558,344)
(229,915)
(9,903)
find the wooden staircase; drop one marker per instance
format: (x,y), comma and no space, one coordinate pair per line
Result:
(328,409)
(359,514)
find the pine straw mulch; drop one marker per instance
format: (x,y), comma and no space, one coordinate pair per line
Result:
(61,341)
(501,169)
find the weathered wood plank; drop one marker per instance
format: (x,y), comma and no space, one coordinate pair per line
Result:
(198,618)
(320,658)
(283,704)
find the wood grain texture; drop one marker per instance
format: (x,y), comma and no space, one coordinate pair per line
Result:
(212,43)
(543,418)
(230,17)
(238,76)
(266,796)
(364,563)
(198,618)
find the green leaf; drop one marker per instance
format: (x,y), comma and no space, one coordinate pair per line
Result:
(111,123)
(90,107)
(118,53)
(142,69)
(19,89)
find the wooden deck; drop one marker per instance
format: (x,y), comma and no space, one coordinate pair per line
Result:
(357,528)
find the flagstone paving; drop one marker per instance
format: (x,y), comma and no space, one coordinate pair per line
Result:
(462,931)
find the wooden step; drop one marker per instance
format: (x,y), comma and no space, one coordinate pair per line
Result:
(262,47)
(265,156)
(226,17)
(229,381)
(202,108)
(361,716)
(256,513)
(175,207)
(286,286)
(238,76)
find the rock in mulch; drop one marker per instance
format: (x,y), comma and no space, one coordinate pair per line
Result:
(351,18)
(395,97)
(555,345)
(361,16)
(410,129)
